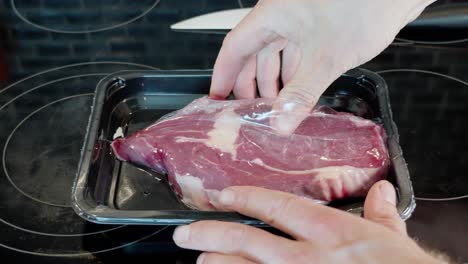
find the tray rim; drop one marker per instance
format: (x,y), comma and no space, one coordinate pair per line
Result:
(101,214)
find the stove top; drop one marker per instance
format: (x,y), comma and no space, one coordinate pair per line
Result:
(53,53)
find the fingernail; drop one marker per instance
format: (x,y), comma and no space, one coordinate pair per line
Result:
(227,197)
(388,192)
(201,258)
(181,234)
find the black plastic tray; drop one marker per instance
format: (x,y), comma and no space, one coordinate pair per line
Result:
(112,192)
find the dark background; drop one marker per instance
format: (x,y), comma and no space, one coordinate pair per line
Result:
(148,40)
(430,111)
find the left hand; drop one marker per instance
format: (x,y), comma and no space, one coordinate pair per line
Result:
(321,234)
(319,41)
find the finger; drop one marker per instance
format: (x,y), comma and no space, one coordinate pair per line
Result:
(215,258)
(246,39)
(380,208)
(298,217)
(246,87)
(291,58)
(232,239)
(268,68)
(311,78)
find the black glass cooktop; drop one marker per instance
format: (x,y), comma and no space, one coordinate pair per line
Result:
(53,53)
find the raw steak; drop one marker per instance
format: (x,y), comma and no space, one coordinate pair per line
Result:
(212,144)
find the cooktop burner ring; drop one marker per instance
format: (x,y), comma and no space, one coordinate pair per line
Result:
(60,235)
(422,42)
(443,199)
(71,243)
(70,212)
(465,83)
(75,65)
(99,29)
(81,254)
(10,136)
(426,72)
(7,174)
(48,83)
(31,196)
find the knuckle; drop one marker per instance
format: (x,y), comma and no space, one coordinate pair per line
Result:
(199,229)
(387,212)
(279,209)
(394,223)
(236,237)
(227,39)
(230,45)
(242,197)
(334,64)
(228,42)
(269,36)
(300,94)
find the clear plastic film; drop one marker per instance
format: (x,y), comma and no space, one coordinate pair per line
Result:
(213,144)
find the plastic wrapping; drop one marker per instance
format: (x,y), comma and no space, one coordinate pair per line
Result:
(213,144)
(109,191)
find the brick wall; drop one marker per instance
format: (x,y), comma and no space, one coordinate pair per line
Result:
(147,40)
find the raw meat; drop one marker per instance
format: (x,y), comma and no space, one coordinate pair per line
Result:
(212,144)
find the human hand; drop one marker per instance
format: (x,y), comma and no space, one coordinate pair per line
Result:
(321,234)
(319,40)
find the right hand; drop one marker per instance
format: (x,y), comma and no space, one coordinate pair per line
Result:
(320,234)
(320,40)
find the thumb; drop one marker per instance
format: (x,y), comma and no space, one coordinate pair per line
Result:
(299,95)
(380,208)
